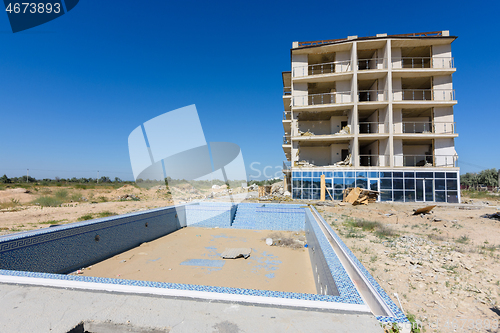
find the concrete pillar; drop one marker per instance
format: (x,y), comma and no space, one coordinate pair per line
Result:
(390,99)
(355,118)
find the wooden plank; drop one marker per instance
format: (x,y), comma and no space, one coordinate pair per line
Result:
(323,187)
(425,210)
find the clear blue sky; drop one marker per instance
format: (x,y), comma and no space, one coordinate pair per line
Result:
(73,89)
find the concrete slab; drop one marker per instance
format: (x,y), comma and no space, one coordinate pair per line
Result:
(45,309)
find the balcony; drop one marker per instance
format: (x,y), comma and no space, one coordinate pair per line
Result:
(287,115)
(423,62)
(322,99)
(374,160)
(287,91)
(287,140)
(426,160)
(324,68)
(371,96)
(372,63)
(424,127)
(366,127)
(424,95)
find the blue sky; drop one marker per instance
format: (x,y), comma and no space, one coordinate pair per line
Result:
(73,89)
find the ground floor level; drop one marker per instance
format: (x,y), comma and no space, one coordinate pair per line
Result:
(403,185)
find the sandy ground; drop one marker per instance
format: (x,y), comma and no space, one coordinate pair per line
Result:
(165,260)
(444,266)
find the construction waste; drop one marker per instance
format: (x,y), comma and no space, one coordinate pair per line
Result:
(344,130)
(359,196)
(346,162)
(495,216)
(306,164)
(274,192)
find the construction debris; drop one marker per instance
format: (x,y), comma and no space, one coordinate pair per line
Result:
(344,130)
(303,164)
(264,190)
(495,216)
(346,162)
(234,253)
(425,210)
(308,133)
(359,196)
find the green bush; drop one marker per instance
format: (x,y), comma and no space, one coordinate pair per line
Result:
(85,217)
(48,201)
(62,195)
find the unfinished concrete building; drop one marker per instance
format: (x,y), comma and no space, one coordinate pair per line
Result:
(372,112)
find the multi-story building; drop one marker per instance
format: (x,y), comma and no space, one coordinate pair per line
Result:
(372,112)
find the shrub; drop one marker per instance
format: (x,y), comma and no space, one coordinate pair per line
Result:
(85,217)
(47,201)
(61,194)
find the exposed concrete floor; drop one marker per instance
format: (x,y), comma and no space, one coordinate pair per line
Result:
(268,267)
(44,309)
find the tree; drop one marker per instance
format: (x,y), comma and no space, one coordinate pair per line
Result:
(4,179)
(117,180)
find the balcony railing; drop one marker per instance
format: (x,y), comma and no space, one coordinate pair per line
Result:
(320,99)
(371,95)
(287,115)
(372,63)
(374,160)
(287,139)
(426,160)
(324,68)
(287,165)
(423,62)
(424,95)
(425,127)
(287,91)
(366,127)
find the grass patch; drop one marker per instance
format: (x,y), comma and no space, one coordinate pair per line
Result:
(9,204)
(463,239)
(47,201)
(76,197)
(85,217)
(353,226)
(478,195)
(385,232)
(102,199)
(61,195)
(54,222)
(415,325)
(106,214)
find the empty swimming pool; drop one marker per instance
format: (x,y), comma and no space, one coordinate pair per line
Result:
(336,281)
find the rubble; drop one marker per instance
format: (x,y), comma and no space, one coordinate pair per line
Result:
(346,162)
(358,196)
(344,130)
(495,216)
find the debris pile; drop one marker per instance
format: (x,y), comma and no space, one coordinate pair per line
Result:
(303,163)
(346,162)
(308,133)
(128,197)
(359,196)
(274,192)
(344,130)
(495,216)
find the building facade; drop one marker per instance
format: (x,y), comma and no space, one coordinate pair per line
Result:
(372,112)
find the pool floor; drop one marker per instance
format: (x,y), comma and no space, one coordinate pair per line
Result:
(192,256)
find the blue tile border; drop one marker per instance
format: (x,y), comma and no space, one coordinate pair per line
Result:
(399,316)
